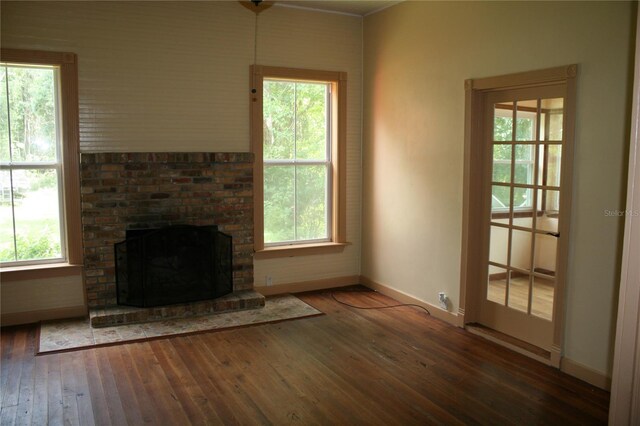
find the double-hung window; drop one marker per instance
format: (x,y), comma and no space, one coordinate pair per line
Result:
(39,197)
(298,119)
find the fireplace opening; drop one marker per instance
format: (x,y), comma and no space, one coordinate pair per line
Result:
(176,264)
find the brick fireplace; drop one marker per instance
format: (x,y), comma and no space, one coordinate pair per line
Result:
(125,191)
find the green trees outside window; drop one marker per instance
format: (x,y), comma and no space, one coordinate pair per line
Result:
(30,166)
(297,161)
(502,157)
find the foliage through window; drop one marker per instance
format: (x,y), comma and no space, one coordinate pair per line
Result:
(502,157)
(521,145)
(31,225)
(297,161)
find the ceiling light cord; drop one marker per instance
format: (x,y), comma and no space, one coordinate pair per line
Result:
(255,42)
(255,59)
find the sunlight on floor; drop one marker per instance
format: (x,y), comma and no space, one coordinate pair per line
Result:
(541,301)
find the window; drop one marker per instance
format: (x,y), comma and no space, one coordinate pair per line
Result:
(297,161)
(524,155)
(39,195)
(298,132)
(518,144)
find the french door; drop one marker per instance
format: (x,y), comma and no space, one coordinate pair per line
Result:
(523,198)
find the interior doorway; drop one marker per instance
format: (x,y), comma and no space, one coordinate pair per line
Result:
(519,149)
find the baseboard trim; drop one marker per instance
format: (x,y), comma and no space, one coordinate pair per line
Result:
(520,347)
(585,373)
(400,296)
(18,318)
(301,287)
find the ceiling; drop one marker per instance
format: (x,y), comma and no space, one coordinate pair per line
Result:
(354,7)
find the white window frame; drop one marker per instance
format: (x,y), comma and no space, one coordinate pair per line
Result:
(295,162)
(68,165)
(56,165)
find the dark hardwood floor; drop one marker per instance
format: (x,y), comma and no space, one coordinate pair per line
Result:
(390,366)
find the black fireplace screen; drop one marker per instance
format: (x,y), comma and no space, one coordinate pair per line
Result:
(177,264)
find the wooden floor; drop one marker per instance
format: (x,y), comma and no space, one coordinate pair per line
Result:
(541,299)
(390,366)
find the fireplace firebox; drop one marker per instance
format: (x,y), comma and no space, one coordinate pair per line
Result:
(176,264)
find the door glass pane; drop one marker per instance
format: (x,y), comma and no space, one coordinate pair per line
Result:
(522,199)
(37,214)
(553,110)
(526,120)
(521,249)
(519,291)
(500,198)
(33,114)
(524,164)
(279,203)
(523,220)
(497,285)
(503,122)
(547,223)
(554,159)
(542,298)
(546,250)
(311,202)
(548,202)
(502,163)
(499,245)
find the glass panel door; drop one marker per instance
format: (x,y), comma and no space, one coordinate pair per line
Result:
(524,197)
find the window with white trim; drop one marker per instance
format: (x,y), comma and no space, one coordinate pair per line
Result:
(524,156)
(36,183)
(297,161)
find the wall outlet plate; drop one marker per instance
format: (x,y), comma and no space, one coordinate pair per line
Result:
(268,280)
(443,300)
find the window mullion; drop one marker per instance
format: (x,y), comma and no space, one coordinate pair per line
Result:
(295,157)
(13,208)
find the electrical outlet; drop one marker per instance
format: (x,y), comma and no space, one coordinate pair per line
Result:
(268,280)
(444,300)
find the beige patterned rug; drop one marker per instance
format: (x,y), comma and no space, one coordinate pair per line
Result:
(57,336)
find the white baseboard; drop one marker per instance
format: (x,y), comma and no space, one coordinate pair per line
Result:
(587,374)
(300,287)
(17,318)
(436,311)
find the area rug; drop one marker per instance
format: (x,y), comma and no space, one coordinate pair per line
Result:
(59,336)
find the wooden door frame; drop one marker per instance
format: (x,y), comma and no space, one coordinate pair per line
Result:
(474,234)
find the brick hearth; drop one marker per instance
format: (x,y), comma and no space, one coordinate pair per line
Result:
(122,191)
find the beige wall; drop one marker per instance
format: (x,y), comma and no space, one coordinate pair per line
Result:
(174,76)
(416,58)
(34,300)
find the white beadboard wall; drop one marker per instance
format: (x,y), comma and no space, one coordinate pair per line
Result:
(45,294)
(174,76)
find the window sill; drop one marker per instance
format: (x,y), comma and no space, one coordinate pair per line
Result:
(300,250)
(34,272)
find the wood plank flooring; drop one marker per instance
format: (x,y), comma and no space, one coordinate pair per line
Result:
(390,366)
(541,299)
